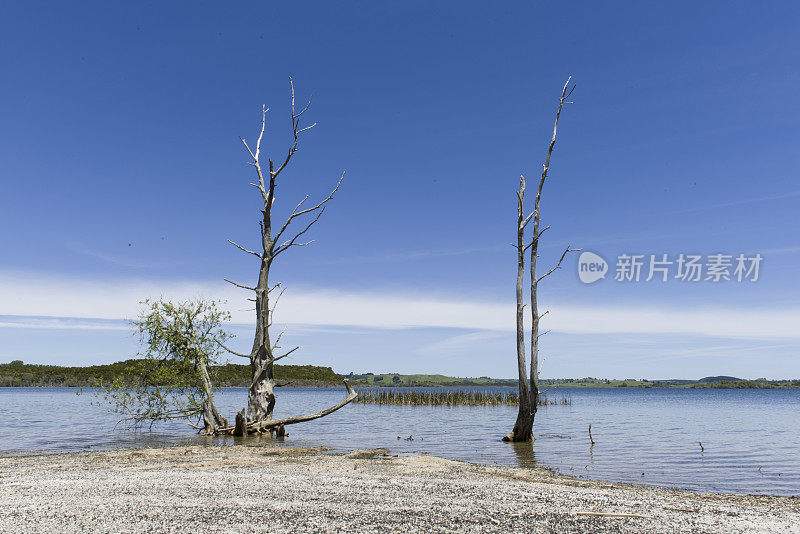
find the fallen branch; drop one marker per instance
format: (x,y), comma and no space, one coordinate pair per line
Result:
(272,424)
(266,425)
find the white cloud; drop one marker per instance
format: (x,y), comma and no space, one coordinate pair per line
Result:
(61,323)
(457,344)
(715,322)
(40,295)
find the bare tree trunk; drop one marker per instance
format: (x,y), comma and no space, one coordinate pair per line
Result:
(522,427)
(529,396)
(261,394)
(535,317)
(212,419)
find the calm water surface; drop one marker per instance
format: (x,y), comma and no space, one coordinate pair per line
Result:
(648,436)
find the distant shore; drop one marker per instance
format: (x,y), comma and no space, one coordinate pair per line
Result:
(20,374)
(280,488)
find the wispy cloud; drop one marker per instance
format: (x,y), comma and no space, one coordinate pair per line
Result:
(61,323)
(29,295)
(726,350)
(745,201)
(410,255)
(721,322)
(457,344)
(118,260)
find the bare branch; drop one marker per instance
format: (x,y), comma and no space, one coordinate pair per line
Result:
(240,247)
(278,340)
(292,242)
(296,131)
(240,285)
(275,305)
(305,108)
(291,87)
(248,149)
(546,164)
(274,173)
(320,205)
(294,211)
(543,333)
(302,244)
(526,221)
(558,265)
(248,356)
(264,110)
(306,128)
(535,239)
(284,355)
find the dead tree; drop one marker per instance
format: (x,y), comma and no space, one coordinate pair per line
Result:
(524,421)
(529,388)
(275,241)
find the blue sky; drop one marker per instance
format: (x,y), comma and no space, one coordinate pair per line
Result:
(123,177)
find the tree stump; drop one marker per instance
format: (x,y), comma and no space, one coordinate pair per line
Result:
(241,425)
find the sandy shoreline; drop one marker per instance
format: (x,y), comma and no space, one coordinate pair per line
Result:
(269,489)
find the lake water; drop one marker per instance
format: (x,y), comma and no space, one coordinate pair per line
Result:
(647,436)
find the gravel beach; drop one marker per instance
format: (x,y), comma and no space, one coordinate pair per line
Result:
(284,489)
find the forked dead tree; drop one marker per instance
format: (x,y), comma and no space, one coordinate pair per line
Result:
(529,388)
(275,241)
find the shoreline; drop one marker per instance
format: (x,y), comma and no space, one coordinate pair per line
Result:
(335,451)
(262,487)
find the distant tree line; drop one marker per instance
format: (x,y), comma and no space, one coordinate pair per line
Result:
(19,374)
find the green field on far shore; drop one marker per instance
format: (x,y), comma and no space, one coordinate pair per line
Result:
(420,380)
(20,374)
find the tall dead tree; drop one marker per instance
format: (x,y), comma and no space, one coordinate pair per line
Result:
(529,388)
(525,414)
(274,242)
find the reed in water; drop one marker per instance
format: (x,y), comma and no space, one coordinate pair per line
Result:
(450,398)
